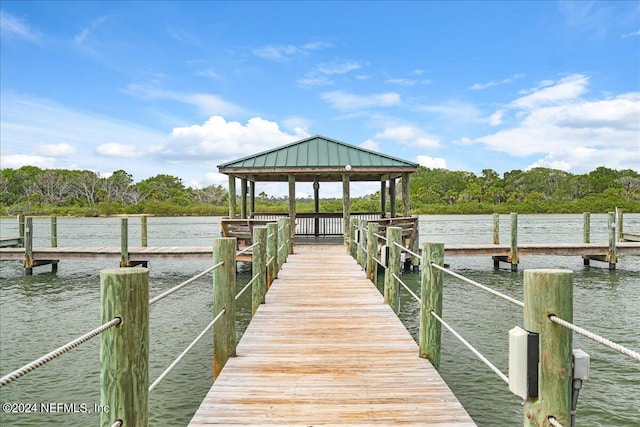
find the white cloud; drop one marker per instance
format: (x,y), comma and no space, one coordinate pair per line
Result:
(281,53)
(320,75)
(13,27)
(16,161)
(431,162)
(370,144)
(481,86)
(565,89)
(219,140)
(573,133)
(56,150)
(455,111)
(345,101)
(410,136)
(632,34)
(118,150)
(208,104)
(496,118)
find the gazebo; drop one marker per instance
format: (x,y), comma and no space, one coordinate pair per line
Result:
(319,159)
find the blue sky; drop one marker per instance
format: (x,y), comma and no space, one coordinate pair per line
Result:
(179,87)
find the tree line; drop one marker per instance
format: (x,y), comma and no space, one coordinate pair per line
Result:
(31,190)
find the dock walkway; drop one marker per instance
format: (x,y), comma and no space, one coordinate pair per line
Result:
(325,349)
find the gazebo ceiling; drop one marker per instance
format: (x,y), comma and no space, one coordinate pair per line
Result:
(320,158)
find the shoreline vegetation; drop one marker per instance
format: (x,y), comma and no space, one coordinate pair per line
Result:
(33,191)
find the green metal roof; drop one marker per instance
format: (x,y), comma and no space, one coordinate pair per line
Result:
(317,152)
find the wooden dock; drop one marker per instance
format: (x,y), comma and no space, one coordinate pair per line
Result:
(325,349)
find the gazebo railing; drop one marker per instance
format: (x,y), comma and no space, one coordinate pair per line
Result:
(318,224)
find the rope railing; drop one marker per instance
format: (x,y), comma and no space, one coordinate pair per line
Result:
(470,347)
(247,249)
(117,423)
(407,250)
(183,284)
(597,338)
(18,373)
(380,236)
(184,353)
(479,285)
(404,285)
(253,279)
(554,422)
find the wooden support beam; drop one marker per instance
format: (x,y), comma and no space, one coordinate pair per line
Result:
(259,268)
(252,198)
(391,286)
(292,210)
(224,294)
(372,251)
(405,195)
(392,197)
(232,196)
(550,292)
(243,198)
(431,300)
(346,201)
(383,197)
(124,349)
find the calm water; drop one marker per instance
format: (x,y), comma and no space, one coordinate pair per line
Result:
(44,311)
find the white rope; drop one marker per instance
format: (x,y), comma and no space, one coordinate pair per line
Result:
(597,338)
(378,261)
(554,422)
(408,250)
(183,284)
(380,236)
(280,248)
(479,285)
(470,347)
(117,423)
(57,352)
(246,286)
(406,287)
(186,350)
(247,249)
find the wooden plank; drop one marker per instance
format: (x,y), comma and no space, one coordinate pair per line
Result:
(325,349)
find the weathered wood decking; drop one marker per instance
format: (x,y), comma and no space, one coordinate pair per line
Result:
(325,349)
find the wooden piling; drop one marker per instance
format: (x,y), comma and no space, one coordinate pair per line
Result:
(513,254)
(54,241)
(612,256)
(362,259)
(21,229)
(224,294)
(291,226)
(259,268)
(28,246)
(283,241)
(143,231)
(620,218)
(496,228)
(124,350)
(430,332)
(353,225)
(232,196)
(394,235)
(372,252)
(124,242)
(272,252)
(586,233)
(548,292)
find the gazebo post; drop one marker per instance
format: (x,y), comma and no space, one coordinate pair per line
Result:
(392,197)
(405,194)
(316,206)
(345,209)
(383,196)
(252,198)
(243,198)
(232,196)
(292,207)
